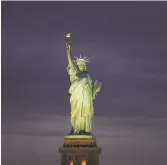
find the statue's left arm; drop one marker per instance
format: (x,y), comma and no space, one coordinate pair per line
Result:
(96,88)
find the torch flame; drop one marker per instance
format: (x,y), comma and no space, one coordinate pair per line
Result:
(68,35)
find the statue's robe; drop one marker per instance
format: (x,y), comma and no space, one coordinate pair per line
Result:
(81,99)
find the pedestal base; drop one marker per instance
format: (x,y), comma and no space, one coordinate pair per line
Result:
(79,150)
(79,141)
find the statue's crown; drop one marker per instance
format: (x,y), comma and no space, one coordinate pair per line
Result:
(82,59)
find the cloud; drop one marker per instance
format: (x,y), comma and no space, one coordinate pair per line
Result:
(124,141)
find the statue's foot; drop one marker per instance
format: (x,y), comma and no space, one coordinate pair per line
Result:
(82,132)
(71,132)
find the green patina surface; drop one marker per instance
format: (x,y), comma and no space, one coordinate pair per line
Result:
(83,91)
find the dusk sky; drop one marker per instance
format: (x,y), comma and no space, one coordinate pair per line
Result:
(126,42)
(127,45)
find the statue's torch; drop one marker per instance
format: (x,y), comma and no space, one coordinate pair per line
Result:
(68,38)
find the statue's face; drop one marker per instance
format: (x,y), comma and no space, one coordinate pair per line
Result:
(81,66)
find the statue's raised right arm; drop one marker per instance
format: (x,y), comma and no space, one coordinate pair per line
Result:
(72,69)
(68,49)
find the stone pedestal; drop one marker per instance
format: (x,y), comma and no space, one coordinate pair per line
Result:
(79,150)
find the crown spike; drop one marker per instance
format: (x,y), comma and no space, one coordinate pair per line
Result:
(85,58)
(76,58)
(82,59)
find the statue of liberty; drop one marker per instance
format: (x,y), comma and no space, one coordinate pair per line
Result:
(83,91)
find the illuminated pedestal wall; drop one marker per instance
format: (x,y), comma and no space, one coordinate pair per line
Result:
(79,152)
